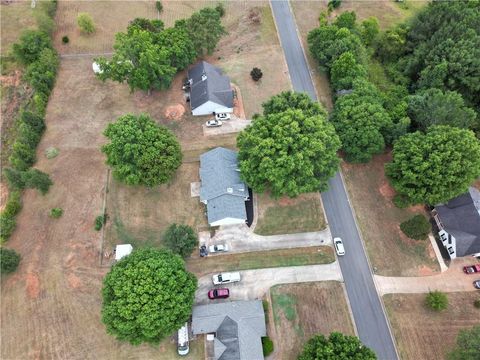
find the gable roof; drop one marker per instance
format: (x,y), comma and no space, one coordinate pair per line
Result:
(239,326)
(461,219)
(222,188)
(209,84)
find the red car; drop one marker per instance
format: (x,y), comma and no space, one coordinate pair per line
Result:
(218,294)
(471,269)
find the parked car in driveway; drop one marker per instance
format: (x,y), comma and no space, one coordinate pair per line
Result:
(182,337)
(471,269)
(226,278)
(203,251)
(476,284)
(338,243)
(222,116)
(219,293)
(218,248)
(213,123)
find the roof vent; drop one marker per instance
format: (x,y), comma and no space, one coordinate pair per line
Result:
(229,190)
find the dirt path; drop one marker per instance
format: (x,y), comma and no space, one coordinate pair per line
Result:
(452,280)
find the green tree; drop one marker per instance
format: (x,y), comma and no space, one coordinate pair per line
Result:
(288,153)
(140,151)
(85,23)
(30,45)
(369,30)
(435,107)
(417,227)
(36,179)
(288,100)
(154,26)
(468,341)
(147,296)
(346,19)
(41,73)
(345,70)
(336,346)
(436,300)
(181,239)
(180,48)
(391,44)
(9,260)
(434,167)
(56,213)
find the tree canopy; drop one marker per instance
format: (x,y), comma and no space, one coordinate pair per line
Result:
(288,152)
(147,296)
(336,347)
(140,151)
(345,70)
(9,260)
(467,345)
(181,239)
(31,43)
(292,100)
(434,167)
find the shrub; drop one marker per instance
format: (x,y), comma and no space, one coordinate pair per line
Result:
(220,9)
(401,201)
(181,239)
(9,260)
(14,204)
(417,227)
(159,6)
(85,23)
(36,179)
(334,4)
(265,306)
(476,303)
(56,213)
(51,152)
(23,156)
(7,225)
(256,74)
(267,345)
(100,220)
(14,178)
(65,39)
(436,300)
(31,43)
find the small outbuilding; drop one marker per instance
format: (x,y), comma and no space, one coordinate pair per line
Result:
(123,250)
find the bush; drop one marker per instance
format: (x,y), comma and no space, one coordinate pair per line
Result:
(35,179)
(334,4)
(14,178)
(267,345)
(265,306)
(436,300)
(476,303)
(417,227)
(14,204)
(51,152)
(65,39)
(256,74)
(220,9)
(9,260)
(100,220)
(56,213)
(23,156)
(159,6)
(41,73)
(181,239)
(401,201)
(31,43)
(7,225)
(85,23)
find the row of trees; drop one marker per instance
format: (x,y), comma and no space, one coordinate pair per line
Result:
(147,56)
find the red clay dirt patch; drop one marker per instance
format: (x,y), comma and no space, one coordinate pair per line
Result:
(32,285)
(175,112)
(387,190)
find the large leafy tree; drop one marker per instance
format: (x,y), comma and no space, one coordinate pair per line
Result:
(434,167)
(30,45)
(435,107)
(288,153)
(140,151)
(345,70)
(180,48)
(468,341)
(147,296)
(336,347)
(181,239)
(292,100)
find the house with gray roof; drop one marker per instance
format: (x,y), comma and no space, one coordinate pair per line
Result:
(238,328)
(210,90)
(222,190)
(458,222)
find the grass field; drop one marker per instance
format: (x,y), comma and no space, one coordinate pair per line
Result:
(424,334)
(15,17)
(289,216)
(303,310)
(389,250)
(261,259)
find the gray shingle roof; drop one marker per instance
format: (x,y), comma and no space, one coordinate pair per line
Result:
(461,219)
(239,326)
(216,87)
(222,187)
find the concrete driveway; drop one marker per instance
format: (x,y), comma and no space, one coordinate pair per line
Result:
(240,238)
(233,125)
(255,283)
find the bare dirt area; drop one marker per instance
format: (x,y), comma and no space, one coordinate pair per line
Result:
(389,250)
(421,333)
(289,215)
(303,310)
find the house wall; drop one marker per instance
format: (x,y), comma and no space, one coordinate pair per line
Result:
(228,221)
(209,108)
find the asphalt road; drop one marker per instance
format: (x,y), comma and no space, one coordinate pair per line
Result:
(367,309)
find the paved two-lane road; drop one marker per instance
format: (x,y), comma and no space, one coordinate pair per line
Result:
(367,309)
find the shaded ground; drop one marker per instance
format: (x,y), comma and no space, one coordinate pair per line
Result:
(389,250)
(288,216)
(424,334)
(303,310)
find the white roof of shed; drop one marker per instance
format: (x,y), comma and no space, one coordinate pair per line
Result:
(122,251)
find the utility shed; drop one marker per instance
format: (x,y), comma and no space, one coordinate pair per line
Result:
(210,90)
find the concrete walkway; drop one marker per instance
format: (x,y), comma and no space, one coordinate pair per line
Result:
(240,238)
(452,280)
(256,283)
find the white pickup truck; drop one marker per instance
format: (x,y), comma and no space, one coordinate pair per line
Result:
(226,278)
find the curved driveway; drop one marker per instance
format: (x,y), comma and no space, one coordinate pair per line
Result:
(366,306)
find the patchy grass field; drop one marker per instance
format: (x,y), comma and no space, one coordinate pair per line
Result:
(303,310)
(15,17)
(261,259)
(389,250)
(289,216)
(423,334)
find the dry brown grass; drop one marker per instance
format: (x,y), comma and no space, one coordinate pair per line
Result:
(389,250)
(303,310)
(424,334)
(15,17)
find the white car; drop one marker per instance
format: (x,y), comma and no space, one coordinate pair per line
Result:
(213,123)
(182,337)
(222,116)
(226,278)
(338,243)
(218,248)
